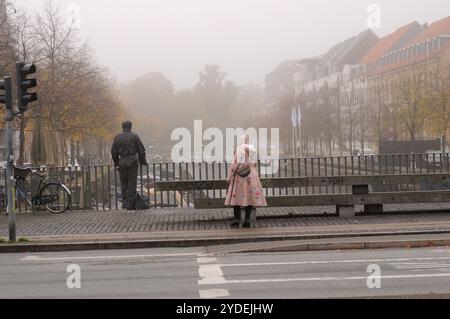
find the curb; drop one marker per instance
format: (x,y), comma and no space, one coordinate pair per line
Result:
(184,243)
(350,246)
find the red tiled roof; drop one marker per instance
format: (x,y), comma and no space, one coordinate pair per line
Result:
(441,27)
(385,44)
(406,62)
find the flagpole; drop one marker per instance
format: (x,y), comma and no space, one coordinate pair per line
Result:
(295,126)
(299,117)
(294,123)
(295,141)
(301,142)
(293,132)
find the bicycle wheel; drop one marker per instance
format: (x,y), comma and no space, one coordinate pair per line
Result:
(55,198)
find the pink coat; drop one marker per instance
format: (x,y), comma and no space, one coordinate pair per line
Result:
(244,191)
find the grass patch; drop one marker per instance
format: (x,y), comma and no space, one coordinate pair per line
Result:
(23,240)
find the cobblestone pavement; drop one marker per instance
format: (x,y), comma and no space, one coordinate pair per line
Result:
(191,220)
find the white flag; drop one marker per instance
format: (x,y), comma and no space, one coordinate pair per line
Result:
(294,117)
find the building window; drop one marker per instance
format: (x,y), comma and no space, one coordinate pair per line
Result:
(445,40)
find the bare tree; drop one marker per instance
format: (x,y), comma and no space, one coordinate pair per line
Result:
(377,112)
(77,99)
(438,102)
(25,50)
(409,94)
(350,112)
(6,37)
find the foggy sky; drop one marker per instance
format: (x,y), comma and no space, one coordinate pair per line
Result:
(248,38)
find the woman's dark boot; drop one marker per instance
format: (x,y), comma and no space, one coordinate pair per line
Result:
(237,217)
(248,213)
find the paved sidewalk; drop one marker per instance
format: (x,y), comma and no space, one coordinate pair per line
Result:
(190,223)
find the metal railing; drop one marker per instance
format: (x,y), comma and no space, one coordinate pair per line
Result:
(98,187)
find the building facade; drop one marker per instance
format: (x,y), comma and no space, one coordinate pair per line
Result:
(404,79)
(359,93)
(357,118)
(319,87)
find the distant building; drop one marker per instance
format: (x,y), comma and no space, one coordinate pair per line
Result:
(354,89)
(421,58)
(318,85)
(280,95)
(280,82)
(341,91)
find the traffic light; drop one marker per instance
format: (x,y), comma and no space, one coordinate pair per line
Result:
(2,92)
(24,84)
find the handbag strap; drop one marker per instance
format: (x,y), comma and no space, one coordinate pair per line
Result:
(234,183)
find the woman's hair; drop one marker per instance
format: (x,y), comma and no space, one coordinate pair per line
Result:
(245,149)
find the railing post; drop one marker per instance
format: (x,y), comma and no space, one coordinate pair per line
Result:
(88,188)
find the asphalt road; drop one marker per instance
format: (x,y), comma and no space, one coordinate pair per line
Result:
(195,273)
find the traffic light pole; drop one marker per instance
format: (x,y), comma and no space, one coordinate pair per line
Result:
(10,160)
(24,97)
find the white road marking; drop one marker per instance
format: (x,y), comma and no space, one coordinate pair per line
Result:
(420,265)
(325,262)
(40,258)
(258,281)
(204,259)
(441,250)
(213,293)
(207,260)
(211,274)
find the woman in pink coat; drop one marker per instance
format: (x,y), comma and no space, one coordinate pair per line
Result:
(246,191)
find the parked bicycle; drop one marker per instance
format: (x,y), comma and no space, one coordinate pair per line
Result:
(54,197)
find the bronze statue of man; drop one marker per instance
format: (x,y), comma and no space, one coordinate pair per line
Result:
(127,152)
